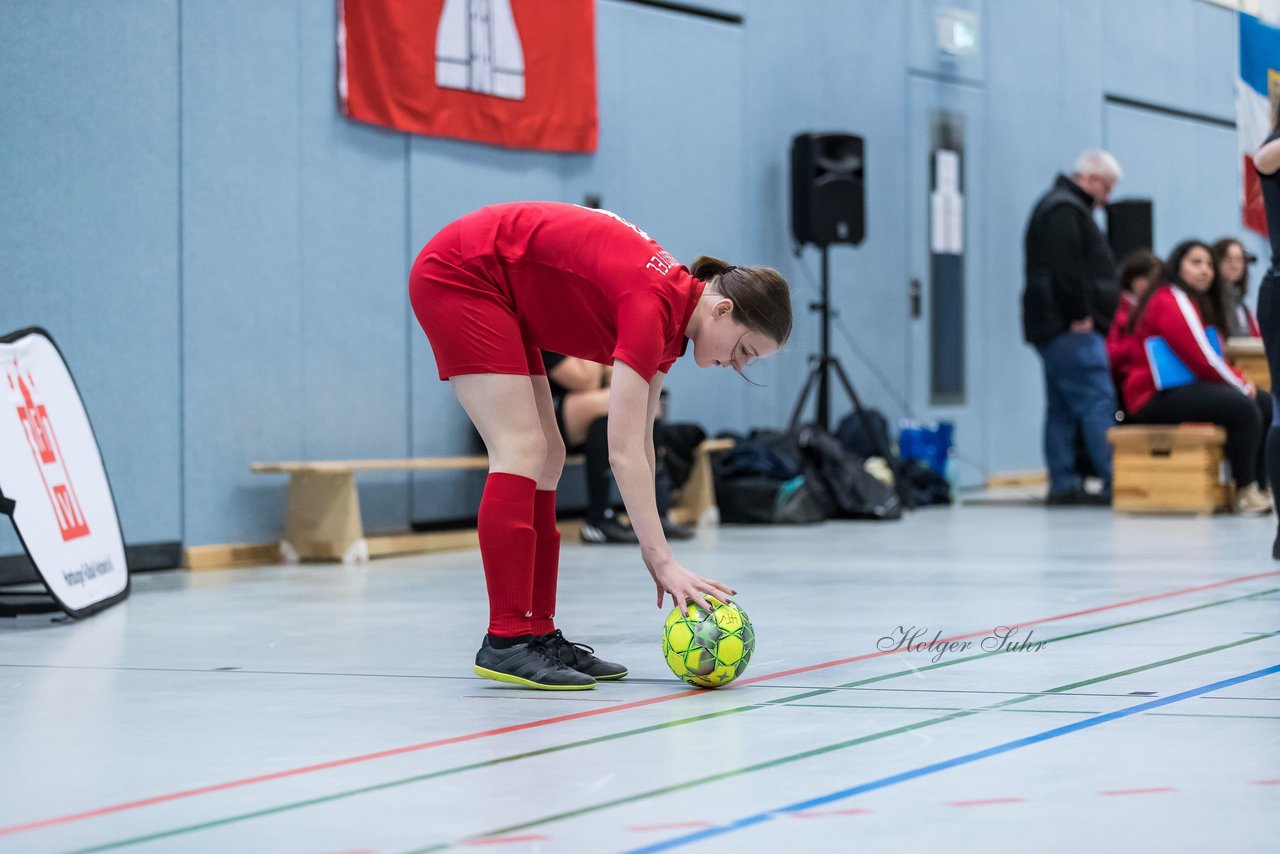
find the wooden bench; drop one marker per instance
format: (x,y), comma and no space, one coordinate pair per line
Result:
(322,518)
(1247,355)
(1168,469)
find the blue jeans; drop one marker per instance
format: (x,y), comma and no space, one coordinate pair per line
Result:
(1080,395)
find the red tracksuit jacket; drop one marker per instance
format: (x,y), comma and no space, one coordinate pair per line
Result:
(1123,349)
(1173,315)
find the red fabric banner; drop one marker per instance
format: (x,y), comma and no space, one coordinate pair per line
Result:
(518,73)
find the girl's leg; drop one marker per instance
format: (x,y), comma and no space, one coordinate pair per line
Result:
(1217,404)
(1263,402)
(580,410)
(546,565)
(1269,320)
(546,561)
(586,423)
(503,409)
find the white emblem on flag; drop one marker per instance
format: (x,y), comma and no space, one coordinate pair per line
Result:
(478,49)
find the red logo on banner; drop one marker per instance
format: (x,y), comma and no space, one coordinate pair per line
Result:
(38,429)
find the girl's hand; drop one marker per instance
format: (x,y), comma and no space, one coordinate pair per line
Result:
(685,587)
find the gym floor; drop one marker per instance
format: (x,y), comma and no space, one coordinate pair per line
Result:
(329,709)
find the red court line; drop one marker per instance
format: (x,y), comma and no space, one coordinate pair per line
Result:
(1266,782)
(587,713)
(1099,608)
(986,802)
(1150,791)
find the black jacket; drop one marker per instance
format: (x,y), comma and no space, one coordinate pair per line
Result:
(1070,272)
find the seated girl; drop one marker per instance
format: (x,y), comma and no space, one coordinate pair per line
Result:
(1123,347)
(1182,306)
(1232,261)
(580,393)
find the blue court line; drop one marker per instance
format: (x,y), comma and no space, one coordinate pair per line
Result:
(924,770)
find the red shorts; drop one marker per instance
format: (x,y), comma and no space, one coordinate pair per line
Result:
(471,324)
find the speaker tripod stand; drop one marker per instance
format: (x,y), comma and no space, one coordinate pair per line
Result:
(821,366)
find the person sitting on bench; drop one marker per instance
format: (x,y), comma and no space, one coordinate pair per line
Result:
(580,392)
(1184,308)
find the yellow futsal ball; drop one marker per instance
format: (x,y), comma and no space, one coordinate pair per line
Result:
(708,650)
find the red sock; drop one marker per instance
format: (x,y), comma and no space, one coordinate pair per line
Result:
(546,561)
(507,543)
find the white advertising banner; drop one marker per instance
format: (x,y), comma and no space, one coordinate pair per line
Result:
(53,484)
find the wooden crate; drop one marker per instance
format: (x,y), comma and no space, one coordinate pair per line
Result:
(1248,355)
(1168,469)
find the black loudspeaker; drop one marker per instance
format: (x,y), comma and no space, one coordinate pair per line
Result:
(1129,226)
(827,188)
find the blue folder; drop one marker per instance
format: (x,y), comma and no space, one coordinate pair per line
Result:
(1167,369)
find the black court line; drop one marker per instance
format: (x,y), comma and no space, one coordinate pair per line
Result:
(510,693)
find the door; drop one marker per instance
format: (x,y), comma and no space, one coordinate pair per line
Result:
(944,129)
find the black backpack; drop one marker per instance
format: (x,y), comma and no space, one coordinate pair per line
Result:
(759,482)
(865,434)
(844,488)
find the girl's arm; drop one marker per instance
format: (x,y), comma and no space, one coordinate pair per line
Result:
(1175,319)
(1267,158)
(632,460)
(629,456)
(651,415)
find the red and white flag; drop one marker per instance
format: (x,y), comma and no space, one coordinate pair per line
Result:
(518,73)
(1257,89)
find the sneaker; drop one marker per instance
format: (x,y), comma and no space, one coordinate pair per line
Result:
(1077,498)
(1252,501)
(675,531)
(608,530)
(579,656)
(531,665)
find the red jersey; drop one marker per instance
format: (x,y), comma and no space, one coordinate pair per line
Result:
(1123,348)
(581,282)
(1174,316)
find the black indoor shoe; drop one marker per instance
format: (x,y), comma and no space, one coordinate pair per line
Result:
(676,531)
(532,665)
(1077,498)
(580,657)
(608,530)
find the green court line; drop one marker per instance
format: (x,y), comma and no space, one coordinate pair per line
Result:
(924,708)
(948,662)
(364,790)
(818,751)
(177,831)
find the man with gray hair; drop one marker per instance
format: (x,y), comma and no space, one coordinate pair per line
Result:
(1067,306)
